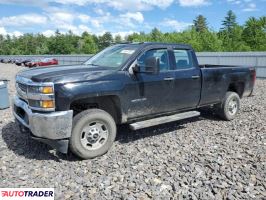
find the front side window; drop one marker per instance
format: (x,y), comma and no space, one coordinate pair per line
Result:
(161,54)
(183,59)
(112,57)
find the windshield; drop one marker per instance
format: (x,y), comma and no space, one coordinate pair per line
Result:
(113,56)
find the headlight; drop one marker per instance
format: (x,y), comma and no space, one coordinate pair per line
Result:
(47,90)
(40,89)
(41,97)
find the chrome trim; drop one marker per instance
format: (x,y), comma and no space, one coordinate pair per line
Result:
(54,125)
(42,109)
(34,96)
(22,94)
(40,96)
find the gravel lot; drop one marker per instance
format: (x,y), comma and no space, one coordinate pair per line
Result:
(200,158)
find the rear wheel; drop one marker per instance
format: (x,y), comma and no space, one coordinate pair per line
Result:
(93,133)
(230,106)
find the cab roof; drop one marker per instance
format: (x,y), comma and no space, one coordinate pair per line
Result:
(145,44)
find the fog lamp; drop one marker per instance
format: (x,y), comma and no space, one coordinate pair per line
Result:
(47,104)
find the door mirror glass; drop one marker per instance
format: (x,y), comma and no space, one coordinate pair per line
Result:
(152,61)
(152,65)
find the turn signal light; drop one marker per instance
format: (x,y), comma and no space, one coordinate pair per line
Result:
(47,104)
(47,90)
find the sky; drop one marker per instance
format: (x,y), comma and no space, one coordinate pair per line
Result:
(118,16)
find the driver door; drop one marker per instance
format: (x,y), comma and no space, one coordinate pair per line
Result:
(155,91)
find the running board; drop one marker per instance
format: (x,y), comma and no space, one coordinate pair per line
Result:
(163,120)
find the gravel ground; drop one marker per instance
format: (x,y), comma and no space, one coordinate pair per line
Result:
(200,158)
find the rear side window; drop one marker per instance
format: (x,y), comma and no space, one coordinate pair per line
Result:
(183,59)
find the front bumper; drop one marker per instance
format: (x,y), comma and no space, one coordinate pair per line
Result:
(52,128)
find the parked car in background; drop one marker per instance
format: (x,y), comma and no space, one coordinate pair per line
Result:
(6,60)
(32,63)
(20,62)
(12,60)
(48,61)
(43,62)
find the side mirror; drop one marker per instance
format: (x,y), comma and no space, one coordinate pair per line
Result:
(152,65)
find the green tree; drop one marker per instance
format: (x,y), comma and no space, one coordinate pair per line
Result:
(229,23)
(118,39)
(254,33)
(105,40)
(156,35)
(200,23)
(233,41)
(88,46)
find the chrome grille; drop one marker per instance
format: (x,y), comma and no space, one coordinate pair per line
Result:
(22,87)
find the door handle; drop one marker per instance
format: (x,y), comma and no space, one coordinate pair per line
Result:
(169,79)
(195,77)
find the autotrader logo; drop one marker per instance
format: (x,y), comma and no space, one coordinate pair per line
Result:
(27,193)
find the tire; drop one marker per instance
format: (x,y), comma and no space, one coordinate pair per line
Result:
(229,108)
(87,125)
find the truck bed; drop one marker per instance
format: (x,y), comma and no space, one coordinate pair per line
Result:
(218,79)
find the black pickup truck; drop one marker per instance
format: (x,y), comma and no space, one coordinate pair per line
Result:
(140,84)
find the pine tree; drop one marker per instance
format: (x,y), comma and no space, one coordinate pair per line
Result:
(229,22)
(200,23)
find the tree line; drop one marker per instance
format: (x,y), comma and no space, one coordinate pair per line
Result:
(231,37)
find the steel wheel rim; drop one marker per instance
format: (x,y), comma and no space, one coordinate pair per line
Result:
(94,135)
(233,106)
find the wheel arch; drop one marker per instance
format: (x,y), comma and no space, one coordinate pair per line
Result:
(108,103)
(237,87)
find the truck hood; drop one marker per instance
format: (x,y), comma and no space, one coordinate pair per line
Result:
(66,74)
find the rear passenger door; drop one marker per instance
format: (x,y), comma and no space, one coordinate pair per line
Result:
(187,86)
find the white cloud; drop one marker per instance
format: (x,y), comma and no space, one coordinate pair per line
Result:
(16,33)
(3,31)
(82,28)
(22,20)
(123,34)
(129,16)
(95,23)
(128,5)
(84,18)
(188,3)
(61,18)
(38,3)
(48,33)
(78,30)
(237,2)
(245,5)
(175,25)
(98,11)
(251,7)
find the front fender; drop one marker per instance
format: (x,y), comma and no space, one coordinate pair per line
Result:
(70,92)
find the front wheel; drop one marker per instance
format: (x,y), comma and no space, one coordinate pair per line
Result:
(229,107)
(93,133)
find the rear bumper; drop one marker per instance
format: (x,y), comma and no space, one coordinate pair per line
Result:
(51,128)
